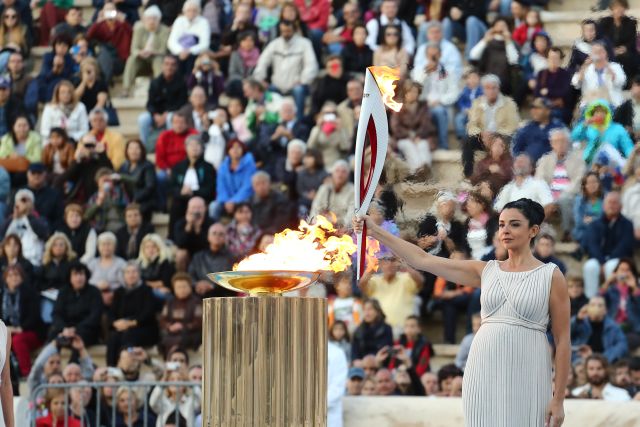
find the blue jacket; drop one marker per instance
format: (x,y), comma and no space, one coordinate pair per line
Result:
(467,96)
(612,297)
(609,132)
(235,186)
(613,340)
(604,241)
(582,207)
(533,140)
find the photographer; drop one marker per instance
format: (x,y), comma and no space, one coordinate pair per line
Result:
(90,156)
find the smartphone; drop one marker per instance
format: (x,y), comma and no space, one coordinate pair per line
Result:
(111,14)
(329,117)
(172,366)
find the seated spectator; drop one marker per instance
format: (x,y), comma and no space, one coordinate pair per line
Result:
(48,201)
(600,75)
(533,137)
(190,233)
(57,65)
(14,35)
(344,307)
(587,206)
(390,51)
(165,401)
(105,209)
(206,74)
(593,331)
(335,194)
(112,33)
(357,55)
(524,184)
(191,177)
(79,399)
(138,178)
(266,19)
(389,17)
(429,382)
(330,87)
(243,21)
(72,25)
(599,134)
(156,268)
(545,249)
(372,334)
(536,61)
(148,46)
(450,57)
(631,199)
(621,294)
(369,387)
(480,225)
(395,288)
(581,49)
(492,112)
(385,383)
(220,131)
(170,148)
(197,110)
(83,238)
(329,135)
(292,164)
(20,311)
(181,318)
(575,286)
(470,92)
(412,350)
(447,379)
(10,106)
(167,93)
(336,39)
(620,30)
(130,235)
(606,240)
(309,178)
(11,255)
(56,401)
(29,228)
(271,209)
(211,260)
(628,113)
(91,90)
(21,80)
(523,34)
(190,35)
(553,83)
(58,155)
(128,403)
(243,62)
(355,381)
(131,315)
(58,255)
(291,74)
(106,268)
(466,21)
(465,344)
(497,54)
(263,105)
(233,184)
(78,309)
(64,111)
(241,233)
(112,140)
(20,145)
(598,385)
(496,169)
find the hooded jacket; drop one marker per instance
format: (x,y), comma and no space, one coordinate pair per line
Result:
(595,136)
(235,186)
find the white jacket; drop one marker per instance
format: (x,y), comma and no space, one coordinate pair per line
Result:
(76,124)
(438,87)
(293,62)
(164,407)
(612,85)
(610,393)
(631,204)
(199,27)
(336,382)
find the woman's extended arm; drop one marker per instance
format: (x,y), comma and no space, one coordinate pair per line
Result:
(462,272)
(6,389)
(560,309)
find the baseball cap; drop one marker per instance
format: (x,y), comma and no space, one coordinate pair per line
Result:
(356,373)
(541,103)
(37,167)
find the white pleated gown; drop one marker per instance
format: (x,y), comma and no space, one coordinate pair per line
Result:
(507,380)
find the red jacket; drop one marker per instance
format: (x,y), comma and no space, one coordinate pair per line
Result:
(315,15)
(119,36)
(520,33)
(48,422)
(170,148)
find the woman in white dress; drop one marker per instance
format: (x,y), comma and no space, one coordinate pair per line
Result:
(6,389)
(507,380)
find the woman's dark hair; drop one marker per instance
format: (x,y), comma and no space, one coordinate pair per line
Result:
(506,20)
(360,25)
(143,149)
(60,132)
(76,266)
(241,205)
(297,23)
(428,226)
(398,28)
(481,200)
(13,123)
(533,211)
(16,268)
(390,203)
(247,34)
(557,50)
(623,3)
(346,330)
(62,38)
(377,307)
(448,371)
(16,239)
(630,263)
(317,158)
(583,184)
(176,349)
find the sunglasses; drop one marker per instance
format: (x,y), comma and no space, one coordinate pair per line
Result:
(287,22)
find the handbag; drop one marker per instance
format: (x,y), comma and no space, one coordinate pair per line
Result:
(111,111)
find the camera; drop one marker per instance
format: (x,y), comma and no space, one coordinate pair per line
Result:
(173,366)
(329,117)
(63,342)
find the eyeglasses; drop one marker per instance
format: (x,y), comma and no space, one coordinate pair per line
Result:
(393,34)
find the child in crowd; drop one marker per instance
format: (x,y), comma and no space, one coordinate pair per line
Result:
(344,306)
(238,120)
(339,334)
(525,32)
(575,285)
(470,92)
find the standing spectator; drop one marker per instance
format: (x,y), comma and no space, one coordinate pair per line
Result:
(31,230)
(553,83)
(335,195)
(390,51)
(329,135)
(271,209)
(156,267)
(131,234)
(389,17)
(606,240)
(293,63)
(412,128)
(449,53)
(148,45)
(211,260)
(600,75)
(533,137)
(356,54)
(113,34)
(190,233)
(131,315)
(167,93)
(524,184)
(170,149)
(138,177)
(440,91)
(190,35)
(598,385)
(465,20)
(492,112)
(373,334)
(181,318)
(470,92)
(64,111)
(621,31)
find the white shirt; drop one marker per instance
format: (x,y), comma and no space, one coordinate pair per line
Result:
(191,180)
(610,393)
(450,58)
(199,27)
(594,81)
(336,382)
(408,42)
(531,188)
(510,48)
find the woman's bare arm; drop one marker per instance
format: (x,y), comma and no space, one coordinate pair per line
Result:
(6,389)
(462,272)
(560,310)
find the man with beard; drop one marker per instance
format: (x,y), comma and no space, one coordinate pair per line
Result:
(598,386)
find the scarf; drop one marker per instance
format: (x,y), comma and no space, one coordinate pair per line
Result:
(249,57)
(11,307)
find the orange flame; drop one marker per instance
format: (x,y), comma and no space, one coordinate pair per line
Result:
(312,247)
(373,247)
(385,78)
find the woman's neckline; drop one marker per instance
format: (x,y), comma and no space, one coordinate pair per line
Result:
(524,271)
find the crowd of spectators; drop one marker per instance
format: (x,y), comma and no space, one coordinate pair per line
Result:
(249,126)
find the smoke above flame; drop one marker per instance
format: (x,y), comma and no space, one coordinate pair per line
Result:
(385,78)
(313,247)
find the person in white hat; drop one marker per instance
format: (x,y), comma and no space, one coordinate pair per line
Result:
(31,230)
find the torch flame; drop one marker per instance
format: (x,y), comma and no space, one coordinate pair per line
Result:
(312,247)
(385,78)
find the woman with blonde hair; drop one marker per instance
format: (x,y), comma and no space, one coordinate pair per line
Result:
(91,90)
(13,36)
(156,265)
(55,262)
(163,400)
(64,111)
(128,401)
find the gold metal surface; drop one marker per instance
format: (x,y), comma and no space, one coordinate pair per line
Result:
(264,282)
(265,362)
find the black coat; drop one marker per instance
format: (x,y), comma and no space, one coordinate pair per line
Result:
(140,185)
(624,36)
(49,204)
(369,339)
(206,179)
(328,89)
(123,240)
(355,59)
(158,271)
(273,213)
(192,241)
(83,175)
(53,275)
(29,309)
(80,309)
(137,304)
(166,95)
(78,237)
(624,114)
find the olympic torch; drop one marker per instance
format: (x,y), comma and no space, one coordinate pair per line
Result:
(378,92)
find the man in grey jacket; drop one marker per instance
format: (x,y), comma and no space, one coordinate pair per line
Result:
(293,64)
